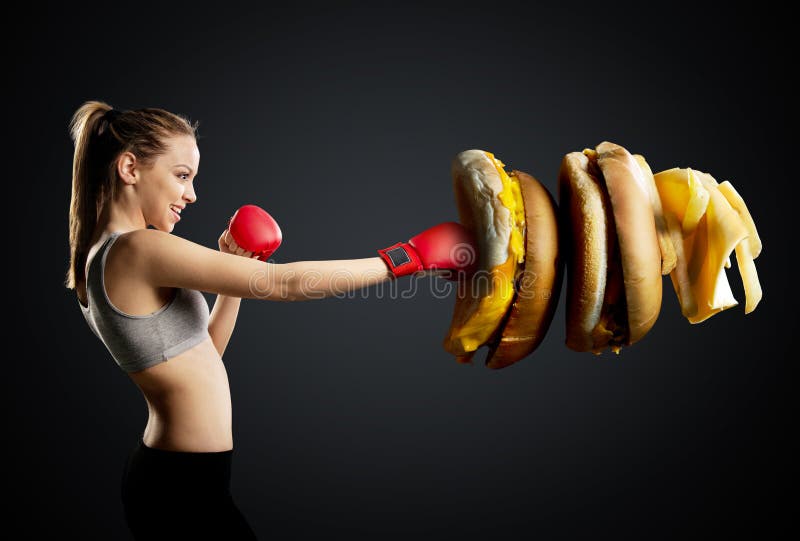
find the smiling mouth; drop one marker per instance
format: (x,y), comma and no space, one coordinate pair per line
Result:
(175,213)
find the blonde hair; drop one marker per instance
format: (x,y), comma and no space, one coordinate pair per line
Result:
(100,134)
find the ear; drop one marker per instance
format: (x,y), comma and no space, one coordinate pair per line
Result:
(127,168)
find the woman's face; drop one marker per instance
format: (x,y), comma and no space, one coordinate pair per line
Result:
(168,185)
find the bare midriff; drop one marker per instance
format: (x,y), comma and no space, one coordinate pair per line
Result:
(189,402)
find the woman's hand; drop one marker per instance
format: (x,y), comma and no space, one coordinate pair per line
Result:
(228,246)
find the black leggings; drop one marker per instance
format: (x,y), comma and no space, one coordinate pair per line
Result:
(180,495)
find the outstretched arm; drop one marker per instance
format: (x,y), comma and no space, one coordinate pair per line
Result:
(321,279)
(166,260)
(303,280)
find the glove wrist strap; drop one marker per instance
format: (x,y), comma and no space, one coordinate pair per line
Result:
(401,258)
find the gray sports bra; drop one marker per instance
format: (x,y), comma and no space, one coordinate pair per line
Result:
(139,342)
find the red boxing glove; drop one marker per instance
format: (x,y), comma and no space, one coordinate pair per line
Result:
(254,230)
(447,246)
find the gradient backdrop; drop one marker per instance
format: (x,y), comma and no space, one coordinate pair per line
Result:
(341,121)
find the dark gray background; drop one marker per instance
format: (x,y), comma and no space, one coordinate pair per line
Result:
(349,417)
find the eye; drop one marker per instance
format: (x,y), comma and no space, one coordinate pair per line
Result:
(183,176)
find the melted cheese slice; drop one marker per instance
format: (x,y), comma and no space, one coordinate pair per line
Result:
(714,221)
(746,250)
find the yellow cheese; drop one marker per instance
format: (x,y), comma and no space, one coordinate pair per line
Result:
(487,317)
(714,222)
(724,230)
(747,268)
(683,195)
(511,196)
(747,250)
(697,205)
(736,201)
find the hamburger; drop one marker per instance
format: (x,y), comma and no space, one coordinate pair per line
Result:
(617,247)
(508,303)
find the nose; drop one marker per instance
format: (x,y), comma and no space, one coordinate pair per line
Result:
(189,195)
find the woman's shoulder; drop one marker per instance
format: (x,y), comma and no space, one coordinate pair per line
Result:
(140,238)
(123,253)
(159,258)
(143,245)
(135,252)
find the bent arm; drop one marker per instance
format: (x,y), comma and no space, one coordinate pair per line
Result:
(166,260)
(222,320)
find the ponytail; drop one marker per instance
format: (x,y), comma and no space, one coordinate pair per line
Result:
(84,204)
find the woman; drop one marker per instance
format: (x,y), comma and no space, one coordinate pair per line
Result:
(139,289)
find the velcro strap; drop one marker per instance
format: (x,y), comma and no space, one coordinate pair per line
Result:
(401,258)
